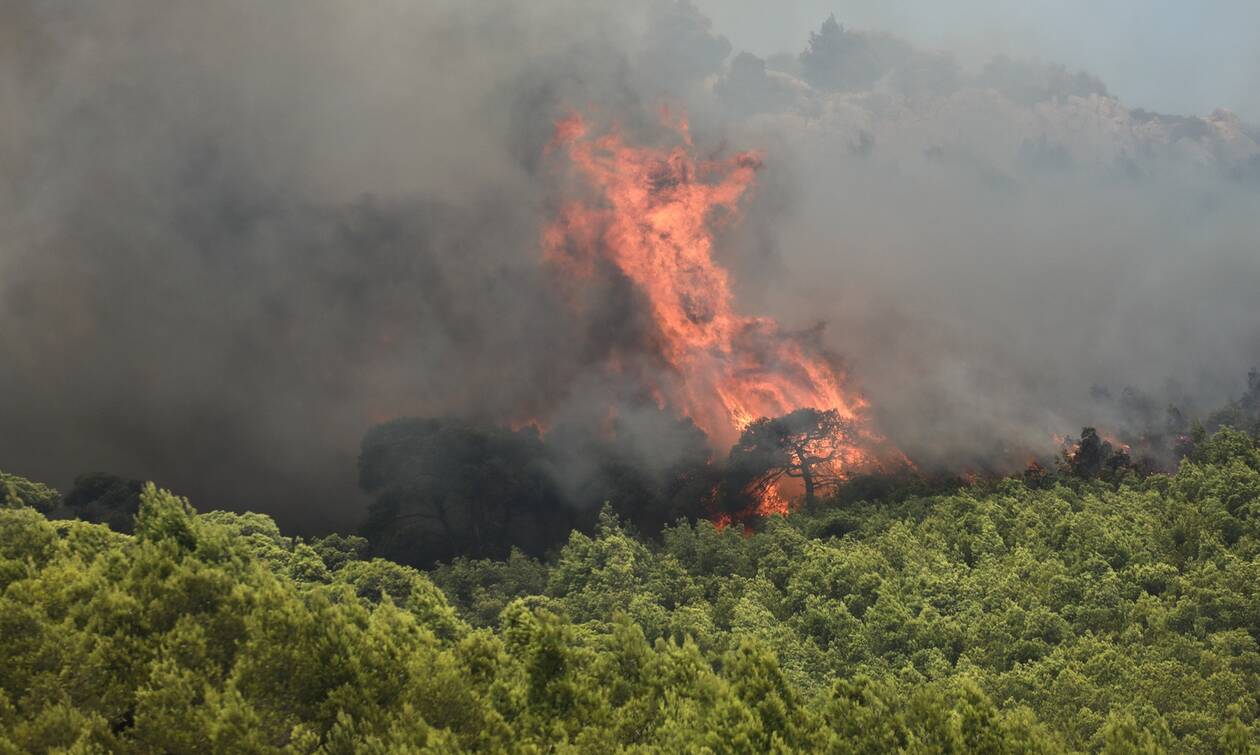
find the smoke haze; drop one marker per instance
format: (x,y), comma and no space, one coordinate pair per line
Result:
(233,236)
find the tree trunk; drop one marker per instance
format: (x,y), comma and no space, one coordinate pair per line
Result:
(808,477)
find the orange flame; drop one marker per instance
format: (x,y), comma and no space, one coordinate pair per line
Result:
(655,220)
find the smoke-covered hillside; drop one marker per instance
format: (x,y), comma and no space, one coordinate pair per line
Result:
(234,237)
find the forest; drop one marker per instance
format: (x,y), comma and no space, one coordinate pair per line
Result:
(1063,610)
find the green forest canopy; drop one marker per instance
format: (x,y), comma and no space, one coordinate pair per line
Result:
(1010,616)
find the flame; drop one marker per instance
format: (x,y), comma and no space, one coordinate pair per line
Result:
(654,219)
(1115,441)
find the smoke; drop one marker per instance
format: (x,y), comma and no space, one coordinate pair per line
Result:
(233,236)
(238,235)
(990,248)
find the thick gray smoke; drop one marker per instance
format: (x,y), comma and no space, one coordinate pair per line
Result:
(1001,252)
(234,235)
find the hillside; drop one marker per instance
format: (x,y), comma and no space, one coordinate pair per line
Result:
(1023,615)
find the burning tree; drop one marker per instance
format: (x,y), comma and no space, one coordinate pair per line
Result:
(807,444)
(655,225)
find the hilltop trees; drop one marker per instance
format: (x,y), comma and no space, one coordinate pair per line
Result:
(17,492)
(181,639)
(840,59)
(1105,616)
(104,498)
(1094,457)
(1243,413)
(653,469)
(447,488)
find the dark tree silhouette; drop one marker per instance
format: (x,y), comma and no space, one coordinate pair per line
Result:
(805,444)
(447,488)
(653,469)
(1093,457)
(840,59)
(1242,414)
(104,499)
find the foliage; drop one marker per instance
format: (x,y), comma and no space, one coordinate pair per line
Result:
(105,499)
(1029,82)
(1099,611)
(445,488)
(839,59)
(1093,457)
(1242,414)
(17,492)
(1079,614)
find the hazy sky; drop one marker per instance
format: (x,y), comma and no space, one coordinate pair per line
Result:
(1174,56)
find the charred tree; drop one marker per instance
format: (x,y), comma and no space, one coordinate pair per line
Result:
(805,444)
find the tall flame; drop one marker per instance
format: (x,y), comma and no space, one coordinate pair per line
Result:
(654,220)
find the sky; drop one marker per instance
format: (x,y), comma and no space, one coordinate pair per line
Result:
(1165,55)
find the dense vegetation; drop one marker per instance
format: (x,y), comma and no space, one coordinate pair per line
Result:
(1043,614)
